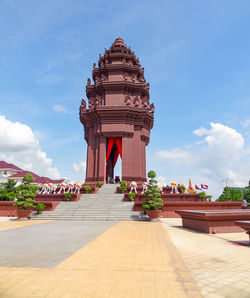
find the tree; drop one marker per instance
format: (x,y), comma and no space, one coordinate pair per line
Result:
(154,200)
(151,174)
(246,195)
(231,194)
(25,196)
(8,190)
(28,178)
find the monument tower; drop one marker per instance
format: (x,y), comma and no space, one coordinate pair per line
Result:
(119,116)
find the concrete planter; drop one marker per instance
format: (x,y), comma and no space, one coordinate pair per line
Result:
(24,213)
(154,213)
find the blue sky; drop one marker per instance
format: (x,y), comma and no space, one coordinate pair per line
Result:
(196,58)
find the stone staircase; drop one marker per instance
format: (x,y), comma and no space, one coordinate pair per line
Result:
(106,205)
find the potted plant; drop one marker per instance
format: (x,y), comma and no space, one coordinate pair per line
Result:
(123,186)
(25,202)
(87,188)
(67,196)
(202,195)
(153,204)
(131,196)
(39,208)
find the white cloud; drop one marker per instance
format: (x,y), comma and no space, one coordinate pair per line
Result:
(219,155)
(245,123)
(79,168)
(60,109)
(179,156)
(19,146)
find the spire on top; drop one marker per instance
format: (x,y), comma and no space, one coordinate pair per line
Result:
(119,42)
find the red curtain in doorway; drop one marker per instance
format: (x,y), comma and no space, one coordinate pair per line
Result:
(118,142)
(118,151)
(110,145)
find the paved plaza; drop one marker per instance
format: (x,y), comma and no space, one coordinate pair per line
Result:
(120,259)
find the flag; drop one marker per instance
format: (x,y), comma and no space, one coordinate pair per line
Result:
(204,186)
(196,187)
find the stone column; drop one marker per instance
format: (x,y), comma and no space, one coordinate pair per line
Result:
(102,159)
(91,156)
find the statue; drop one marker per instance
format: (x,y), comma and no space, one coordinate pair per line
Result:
(174,188)
(94,65)
(144,187)
(77,187)
(190,187)
(70,187)
(133,186)
(88,81)
(62,188)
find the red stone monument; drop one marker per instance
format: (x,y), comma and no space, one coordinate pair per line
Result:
(119,116)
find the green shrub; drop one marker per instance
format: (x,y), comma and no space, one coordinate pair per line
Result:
(25,197)
(231,194)
(131,196)
(151,174)
(28,178)
(8,190)
(154,200)
(123,183)
(123,188)
(40,207)
(67,196)
(182,188)
(11,196)
(98,184)
(87,188)
(202,195)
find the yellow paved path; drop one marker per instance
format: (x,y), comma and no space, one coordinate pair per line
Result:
(132,259)
(7,225)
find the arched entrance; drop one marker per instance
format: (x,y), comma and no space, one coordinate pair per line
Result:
(114,149)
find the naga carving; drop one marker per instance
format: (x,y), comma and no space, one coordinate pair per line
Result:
(83,104)
(91,104)
(136,101)
(103,77)
(98,101)
(152,108)
(127,100)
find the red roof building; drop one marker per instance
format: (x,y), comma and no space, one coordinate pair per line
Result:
(11,171)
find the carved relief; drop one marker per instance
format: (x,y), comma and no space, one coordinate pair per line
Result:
(130,62)
(152,108)
(103,77)
(136,101)
(83,104)
(144,102)
(124,60)
(98,101)
(91,104)
(125,76)
(127,100)
(101,64)
(88,81)
(133,78)
(107,61)
(97,79)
